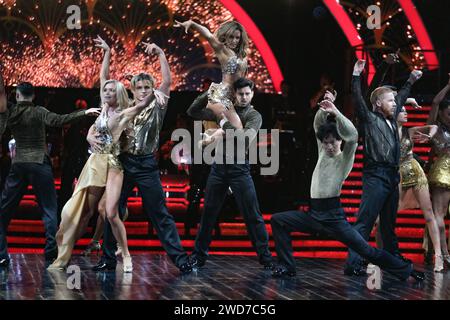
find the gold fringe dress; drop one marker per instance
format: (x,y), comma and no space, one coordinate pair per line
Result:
(439,175)
(411,173)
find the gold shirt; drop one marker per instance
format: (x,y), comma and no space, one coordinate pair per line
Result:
(142,134)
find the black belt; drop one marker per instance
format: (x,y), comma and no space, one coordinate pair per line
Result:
(384,166)
(325,204)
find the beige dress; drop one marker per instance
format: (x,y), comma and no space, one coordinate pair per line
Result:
(94,174)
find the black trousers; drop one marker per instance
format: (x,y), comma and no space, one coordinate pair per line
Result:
(142,171)
(198,178)
(40,176)
(236,176)
(328,219)
(380,197)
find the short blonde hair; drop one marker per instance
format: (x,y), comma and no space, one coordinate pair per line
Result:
(375,95)
(142,77)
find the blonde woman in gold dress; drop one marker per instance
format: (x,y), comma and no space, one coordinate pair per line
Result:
(102,176)
(229,43)
(414,181)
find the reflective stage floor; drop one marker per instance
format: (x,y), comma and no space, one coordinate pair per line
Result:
(223,277)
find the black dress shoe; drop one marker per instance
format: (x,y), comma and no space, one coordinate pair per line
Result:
(364,263)
(197,263)
(418,275)
(103,266)
(403,258)
(185,268)
(269,266)
(4,262)
(359,272)
(280,272)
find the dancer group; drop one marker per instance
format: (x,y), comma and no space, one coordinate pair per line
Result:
(125,137)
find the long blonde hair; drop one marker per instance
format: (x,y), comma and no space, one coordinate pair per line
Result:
(122,99)
(226,29)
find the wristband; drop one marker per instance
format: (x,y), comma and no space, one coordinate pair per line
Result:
(222,122)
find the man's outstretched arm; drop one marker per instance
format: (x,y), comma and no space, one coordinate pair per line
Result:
(381,72)
(198,109)
(432,118)
(358,99)
(347,132)
(152,48)
(403,93)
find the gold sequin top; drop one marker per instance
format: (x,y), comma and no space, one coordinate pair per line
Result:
(108,146)
(142,134)
(406,146)
(441,141)
(233,65)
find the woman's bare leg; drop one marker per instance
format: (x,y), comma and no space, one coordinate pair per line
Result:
(231,114)
(100,220)
(440,200)
(94,245)
(220,111)
(113,189)
(93,197)
(423,197)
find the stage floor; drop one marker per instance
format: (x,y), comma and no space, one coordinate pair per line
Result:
(223,277)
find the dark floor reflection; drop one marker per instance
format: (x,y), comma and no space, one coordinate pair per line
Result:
(223,277)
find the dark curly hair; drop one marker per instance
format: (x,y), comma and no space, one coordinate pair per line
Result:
(26,89)
(242,83)
(328,128)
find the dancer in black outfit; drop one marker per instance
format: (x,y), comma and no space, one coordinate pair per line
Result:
(234,175)
(31,165)
(381,163)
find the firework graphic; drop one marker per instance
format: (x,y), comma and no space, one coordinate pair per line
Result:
(37,46)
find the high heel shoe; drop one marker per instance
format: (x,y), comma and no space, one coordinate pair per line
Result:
(93,246)
(446,258)
(438,263)
(127,264)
